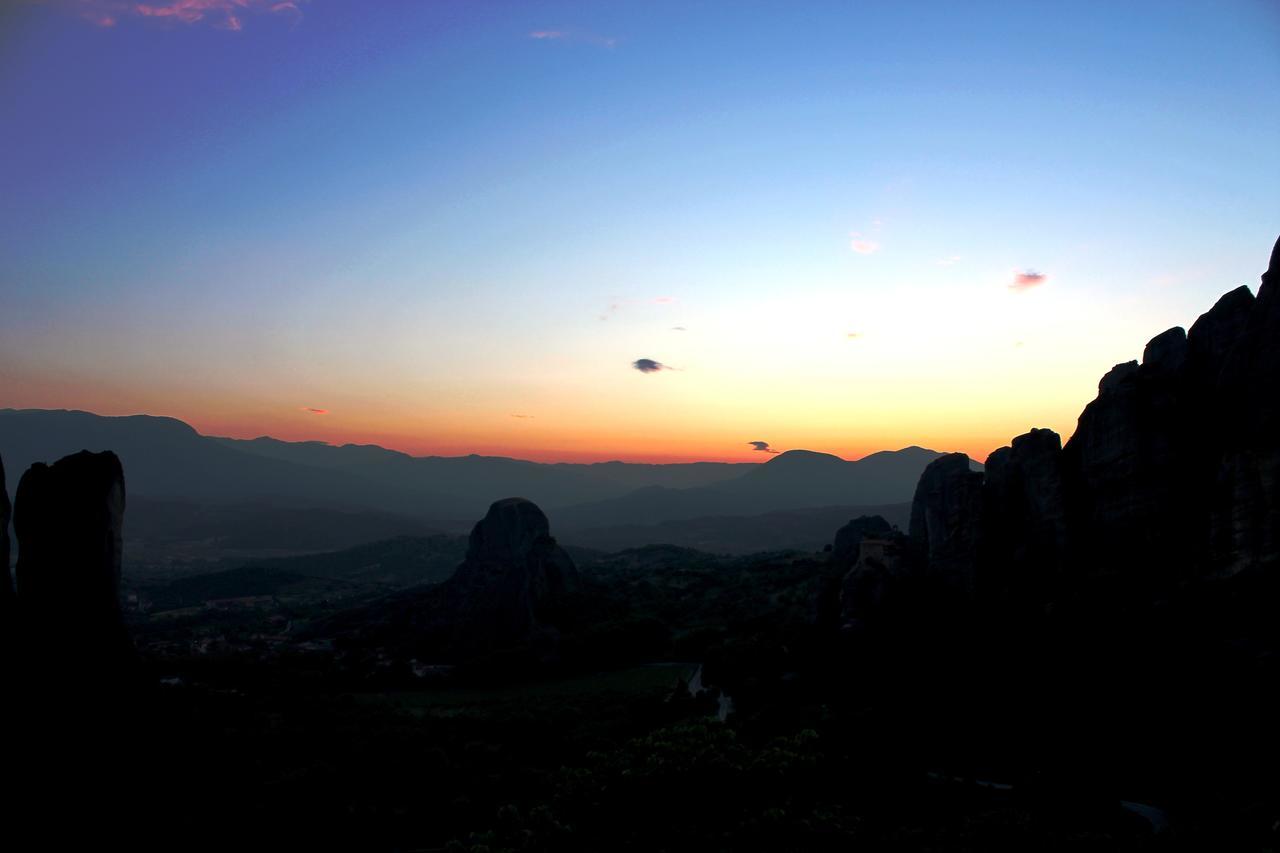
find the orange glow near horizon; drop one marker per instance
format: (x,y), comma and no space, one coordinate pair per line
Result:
(951,366)
(541,439)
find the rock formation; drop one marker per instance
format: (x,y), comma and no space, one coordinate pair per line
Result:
(68,519)
(844,551)
(1024,540)
(512,578)
(946,521)
(879,581)
(7,603)
(1172,475)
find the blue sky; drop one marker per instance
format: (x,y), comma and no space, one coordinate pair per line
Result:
(425,217)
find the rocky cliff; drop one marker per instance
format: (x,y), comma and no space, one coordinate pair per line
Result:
(513,576)
(6,581)
(1172,471)
(68,518)
(1172,475)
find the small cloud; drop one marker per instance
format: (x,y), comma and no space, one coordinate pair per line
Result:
(862,245)
(664,300)
(312,411)
(679,329)
(866,244)
(1027,279)
(573,36)
(223,14)
(761,446)
(610,311)
(522,417)
(648,365)
(951,261)
(853,336)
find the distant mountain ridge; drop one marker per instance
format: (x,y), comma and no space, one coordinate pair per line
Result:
(797,479)
(177,471)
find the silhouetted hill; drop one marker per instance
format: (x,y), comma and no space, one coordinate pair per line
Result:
(476,478)
(162,532)
(799,530)
(169,460)
(201,497)
(402,561)
(166,458)
(797,479)
(375,566)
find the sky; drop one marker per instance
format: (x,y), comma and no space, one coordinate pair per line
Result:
(645,231)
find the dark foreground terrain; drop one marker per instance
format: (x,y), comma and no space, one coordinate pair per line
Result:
(1075,648)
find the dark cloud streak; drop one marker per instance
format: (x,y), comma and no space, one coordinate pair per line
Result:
(648,365)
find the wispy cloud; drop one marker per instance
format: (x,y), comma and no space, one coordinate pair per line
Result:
(679,329)
(862,245)
(853,336)
(580,36)
(761,446)
(312,411)
(522,417)
(951,261)
(1027,279)
(648,365)
(618,304)
(224,14)
(866,244)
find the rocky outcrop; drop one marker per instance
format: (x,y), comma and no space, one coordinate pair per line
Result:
(849,594)
(7,603)
(946,521)
(1172,475)
(880,580)
(1025,534)
(1131,464)
(1245,515)
(513,577)
(68,518)
(844,551)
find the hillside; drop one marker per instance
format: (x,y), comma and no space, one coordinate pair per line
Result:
(196,497)
(797,479)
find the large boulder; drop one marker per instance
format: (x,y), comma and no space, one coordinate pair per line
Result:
(880,584)
(946,521)
(1025,525)
(7,603)
(844,551)
(68,518)
(837,593)
(511,580)
(1130,466)
(1245,513)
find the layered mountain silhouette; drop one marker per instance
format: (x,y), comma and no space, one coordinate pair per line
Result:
(197,496)
(794,480)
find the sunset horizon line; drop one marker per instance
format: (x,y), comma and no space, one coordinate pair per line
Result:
(447,450)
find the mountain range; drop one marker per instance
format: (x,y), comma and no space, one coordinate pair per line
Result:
(198,496)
